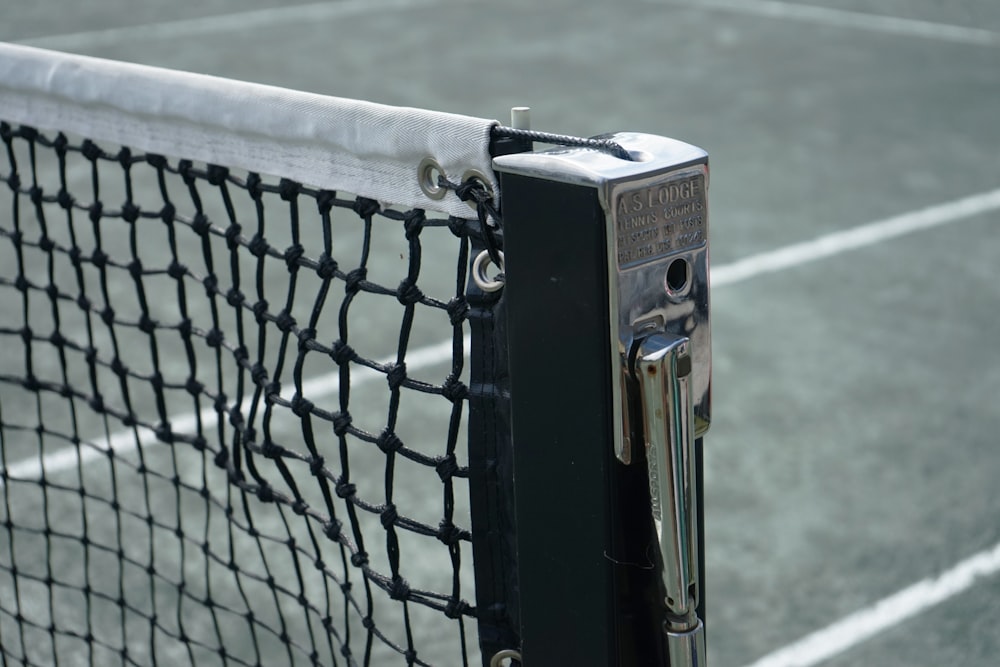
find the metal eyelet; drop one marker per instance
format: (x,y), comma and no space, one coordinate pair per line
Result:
(483,281)
(506,654)
(428,172)
(480,178)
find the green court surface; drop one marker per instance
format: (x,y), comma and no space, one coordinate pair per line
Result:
(853,451)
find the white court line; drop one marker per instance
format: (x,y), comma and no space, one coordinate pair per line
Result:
(887,612)
(843,18)
(124,440)
(208,25)
(856,237)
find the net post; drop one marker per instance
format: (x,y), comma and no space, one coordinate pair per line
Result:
(589,590)
(559,419)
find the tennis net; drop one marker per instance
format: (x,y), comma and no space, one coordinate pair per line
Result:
(261,401)
(232,408)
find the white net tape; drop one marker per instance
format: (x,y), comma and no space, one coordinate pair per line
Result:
(368,149)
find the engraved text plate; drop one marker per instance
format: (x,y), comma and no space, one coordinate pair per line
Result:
(660,220)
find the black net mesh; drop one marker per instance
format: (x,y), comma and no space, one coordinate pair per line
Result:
(231,418)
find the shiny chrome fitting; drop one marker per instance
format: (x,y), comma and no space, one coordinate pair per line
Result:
(687,648)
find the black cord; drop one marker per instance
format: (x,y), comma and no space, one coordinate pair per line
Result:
(603,145)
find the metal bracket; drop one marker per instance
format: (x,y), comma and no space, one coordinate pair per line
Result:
(662,367)
(658,270)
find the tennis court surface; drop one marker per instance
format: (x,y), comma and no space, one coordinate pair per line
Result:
(851,464)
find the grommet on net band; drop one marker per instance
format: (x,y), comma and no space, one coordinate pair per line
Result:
(428,172)
(483,281)
(480,178)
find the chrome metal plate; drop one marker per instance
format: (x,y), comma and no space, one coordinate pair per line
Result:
(660,257)
(659,220)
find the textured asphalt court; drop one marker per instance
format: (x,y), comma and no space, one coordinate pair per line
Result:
(854,447)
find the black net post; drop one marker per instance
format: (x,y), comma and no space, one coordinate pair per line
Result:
(558,342)
(589,563)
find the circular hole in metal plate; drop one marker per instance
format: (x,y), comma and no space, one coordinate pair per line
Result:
(428,173)
(678,277)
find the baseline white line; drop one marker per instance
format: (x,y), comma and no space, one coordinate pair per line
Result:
(842,18)
(236,22)
(124,440)
(887,612)
(856,237)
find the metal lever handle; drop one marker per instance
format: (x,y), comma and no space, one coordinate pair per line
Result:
(663,369)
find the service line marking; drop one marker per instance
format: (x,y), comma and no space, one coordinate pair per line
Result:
(869,621)
(842,18)
(238,22)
